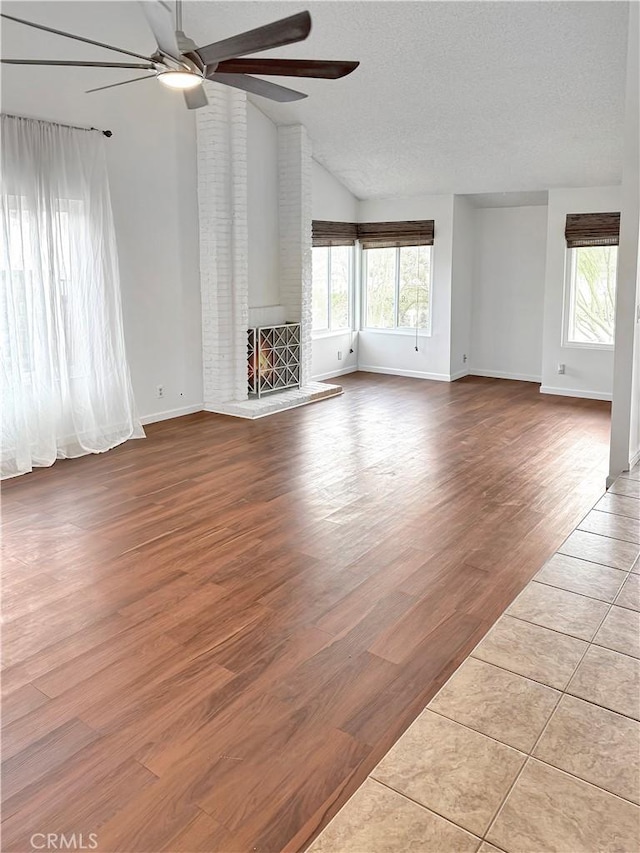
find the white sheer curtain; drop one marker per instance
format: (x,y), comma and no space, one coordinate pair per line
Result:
(66,389)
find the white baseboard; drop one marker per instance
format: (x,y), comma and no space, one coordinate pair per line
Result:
(320,377)
(575,392)
(501,374)
(171,413)
(459,375)
(411,374)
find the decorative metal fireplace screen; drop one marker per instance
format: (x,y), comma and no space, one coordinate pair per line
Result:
(273,358)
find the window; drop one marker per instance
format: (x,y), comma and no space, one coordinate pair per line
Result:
(24,268)
(332,287)
(590,296)
(66,388)
(397,288)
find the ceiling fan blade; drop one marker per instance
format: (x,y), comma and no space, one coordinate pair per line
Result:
(258,87)
(121,83)
(71,36)
(75,63)
(195,98)
(160,20)
(328,69)
(286,31)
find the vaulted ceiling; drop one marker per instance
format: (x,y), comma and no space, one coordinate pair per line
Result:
(467,97)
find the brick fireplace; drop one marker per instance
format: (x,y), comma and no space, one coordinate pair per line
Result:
(224,254)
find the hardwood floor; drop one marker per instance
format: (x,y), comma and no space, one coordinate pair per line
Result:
(212,636)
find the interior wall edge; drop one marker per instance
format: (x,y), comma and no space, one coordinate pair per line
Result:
(576,392)
(502,374)
(168,414)
(320,377)
(460,374)
(410,374)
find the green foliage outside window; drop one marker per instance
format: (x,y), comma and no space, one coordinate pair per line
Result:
(593,295)
(398,287)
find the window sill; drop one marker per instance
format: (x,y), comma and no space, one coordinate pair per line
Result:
(331,334)
(600,347)
(422,333)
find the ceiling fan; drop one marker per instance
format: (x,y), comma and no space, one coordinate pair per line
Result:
(179,64)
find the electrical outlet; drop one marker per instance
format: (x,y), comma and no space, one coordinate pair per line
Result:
(560,367)
(464,358)
(339,355)
(159,390)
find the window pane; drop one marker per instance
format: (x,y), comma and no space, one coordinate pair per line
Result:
(593,295)
(381,287)
(320,286)
(340,275)
(414,295)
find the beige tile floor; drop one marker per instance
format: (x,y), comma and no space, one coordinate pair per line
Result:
(533,745)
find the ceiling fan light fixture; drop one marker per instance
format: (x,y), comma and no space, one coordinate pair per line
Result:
(179,79)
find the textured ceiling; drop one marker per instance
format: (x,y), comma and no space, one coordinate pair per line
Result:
(469,97)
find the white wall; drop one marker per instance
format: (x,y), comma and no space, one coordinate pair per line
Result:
(588,372)
(498,293)
(625,416)
(332,355)
(634,428)
(152,173)
(631,212)
(394,352)
(508,292)
(462,273)
(331,200)
(262,209)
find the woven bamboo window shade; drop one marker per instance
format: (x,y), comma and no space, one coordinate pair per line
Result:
(326,233)
(592,229)
(380,235)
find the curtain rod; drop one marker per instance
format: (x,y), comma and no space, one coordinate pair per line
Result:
(106,133)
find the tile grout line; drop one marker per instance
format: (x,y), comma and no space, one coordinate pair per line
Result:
(520,771)
(584,595)
(548,686)
(426,808)
(592,509)
(575,636)
(595,562)
(563,693)
(544,728)
(528,755)
(605,535)
(619,514)
(626,572)
(534,759)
